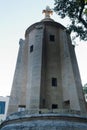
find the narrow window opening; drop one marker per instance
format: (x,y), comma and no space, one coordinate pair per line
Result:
(31,48)
(52,38)
(54,82)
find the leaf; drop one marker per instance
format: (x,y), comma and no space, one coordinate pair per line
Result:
(85,12)
(76,11)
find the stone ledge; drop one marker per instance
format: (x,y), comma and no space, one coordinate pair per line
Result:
(45,121)
(42,111)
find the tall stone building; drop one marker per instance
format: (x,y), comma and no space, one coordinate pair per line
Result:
(46,77)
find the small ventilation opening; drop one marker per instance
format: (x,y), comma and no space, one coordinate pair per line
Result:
(54,106)
(67,104)
(21,108)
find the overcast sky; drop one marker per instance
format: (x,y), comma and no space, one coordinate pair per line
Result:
(15,17)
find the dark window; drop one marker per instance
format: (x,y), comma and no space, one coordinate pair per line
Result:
(54,82)
(52,38)
(67,104)
(31,48)
(2,107)
(21,107)
(54,106)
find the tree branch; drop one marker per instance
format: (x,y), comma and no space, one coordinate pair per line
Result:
(80,14)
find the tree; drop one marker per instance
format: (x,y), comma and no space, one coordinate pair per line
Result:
(76,10)
(85,89)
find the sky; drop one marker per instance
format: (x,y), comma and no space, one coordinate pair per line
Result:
(15,17)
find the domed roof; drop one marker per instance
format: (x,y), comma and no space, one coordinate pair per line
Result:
(46,21)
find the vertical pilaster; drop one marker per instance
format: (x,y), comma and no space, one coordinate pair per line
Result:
(15,97)
(68,82)
(34,68)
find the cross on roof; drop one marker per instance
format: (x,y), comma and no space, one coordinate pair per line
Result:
(47,12)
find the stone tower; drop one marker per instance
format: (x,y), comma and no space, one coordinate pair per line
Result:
(47,92)
(46,74)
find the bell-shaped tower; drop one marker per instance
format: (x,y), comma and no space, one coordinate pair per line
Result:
(46,75)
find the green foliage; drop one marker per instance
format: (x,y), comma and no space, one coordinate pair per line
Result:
(85,89)
(76,10)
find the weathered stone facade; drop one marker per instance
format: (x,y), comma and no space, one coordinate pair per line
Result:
(40,60)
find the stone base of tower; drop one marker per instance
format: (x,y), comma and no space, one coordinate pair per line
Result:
(50,121)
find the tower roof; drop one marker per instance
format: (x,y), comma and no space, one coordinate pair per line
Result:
(46,21)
